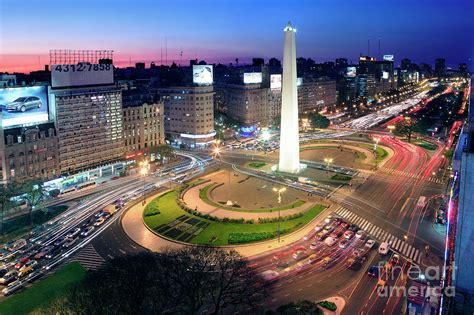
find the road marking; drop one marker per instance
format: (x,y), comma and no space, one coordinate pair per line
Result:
(405,245)
(415,257)
(412,251)
(395,245)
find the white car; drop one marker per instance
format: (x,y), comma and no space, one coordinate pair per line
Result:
(330,241)
(384,248)
(369,244)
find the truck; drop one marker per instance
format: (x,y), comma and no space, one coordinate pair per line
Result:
(110,209)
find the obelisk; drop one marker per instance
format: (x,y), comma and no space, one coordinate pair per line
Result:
(289,129)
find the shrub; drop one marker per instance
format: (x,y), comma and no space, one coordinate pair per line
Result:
(54,193)
(239,238)
(328,305)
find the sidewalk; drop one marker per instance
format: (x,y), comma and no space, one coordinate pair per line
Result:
(134,227)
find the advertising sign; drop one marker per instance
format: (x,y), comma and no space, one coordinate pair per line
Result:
(385,75)
(388,57)
(351,72)
(299,81)
(275,81)
(252,77)
(82,74)
(24,105)
(202,74)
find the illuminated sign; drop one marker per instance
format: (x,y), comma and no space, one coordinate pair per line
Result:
(299,81)
(275,81)
(385,75)
(82,74)
(203,74)
(190,136)
(24,105)
(252,77)
(351,72)
(388,57)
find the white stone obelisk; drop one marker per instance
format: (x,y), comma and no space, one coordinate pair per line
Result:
(289,129)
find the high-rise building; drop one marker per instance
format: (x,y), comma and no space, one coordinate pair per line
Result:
(341,63)
(463,68)
(89,124)
(440,66)
(405,64)
(189,115)
(143,123)
(289,137)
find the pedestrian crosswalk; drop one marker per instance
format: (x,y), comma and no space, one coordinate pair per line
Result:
(410,175)
(379,234)
(89,258)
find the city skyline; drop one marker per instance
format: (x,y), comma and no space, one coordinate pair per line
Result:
(204,31)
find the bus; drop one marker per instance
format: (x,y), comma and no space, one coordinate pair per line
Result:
(86,185)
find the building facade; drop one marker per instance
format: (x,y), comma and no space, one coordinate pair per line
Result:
(189,115)
(29,153)
(90,128)
(143,123)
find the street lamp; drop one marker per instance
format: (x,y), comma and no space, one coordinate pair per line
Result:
(279,191)
(144,172)
(217,155)
(328,161)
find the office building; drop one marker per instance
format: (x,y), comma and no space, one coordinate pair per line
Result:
(89,124)
(405,64)
(189,115)
(29,153)
(143,123)
(440,66)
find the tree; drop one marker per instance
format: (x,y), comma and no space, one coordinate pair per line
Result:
(34,195)
(316,120)
(7,191)
(165,151)
(406,128)
(183,281)
(304,307)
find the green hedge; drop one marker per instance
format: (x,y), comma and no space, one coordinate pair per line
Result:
(341,177)
(328,305)
(257,164)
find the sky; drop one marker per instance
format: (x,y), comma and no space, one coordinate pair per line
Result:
(222,30)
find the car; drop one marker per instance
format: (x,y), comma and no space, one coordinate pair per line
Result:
(319,227)
(330,241)
(328,262)
(9,277)
(25,271)
(354,228)
(73,233)
(350,262)
(313,258)
(43,252)
(369,244)
(300,254)
(283,264)
(11,287)
(381,282)
(395,259)
(23,104)
(88,222)
(270,275)
(31,263)
(320,236)
(99,221)
(314,245)
(344,243)
(344,224)
(358,252)
(348,234)
(360,234)
(384,248)
(69,243)
(87,231)
(329,219)
(52,253)
(373,271)
(21,262)
(60,241)
(115,177)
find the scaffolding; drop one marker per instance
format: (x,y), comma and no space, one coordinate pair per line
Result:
(70,57)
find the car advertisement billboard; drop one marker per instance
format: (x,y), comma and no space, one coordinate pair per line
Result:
(388,57)
(82,74)
(252,77)
(351,72)
(24,105)
(203,74)
(275,81)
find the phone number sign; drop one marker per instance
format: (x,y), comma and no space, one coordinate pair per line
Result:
(82,74)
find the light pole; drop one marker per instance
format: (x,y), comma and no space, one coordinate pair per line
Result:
(376,142)
(328,161)
(279,191)
(217,155)
(144,172)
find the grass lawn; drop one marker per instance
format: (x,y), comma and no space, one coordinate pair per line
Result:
(217,233)
(257,164)
(425,145)
(20,225)
(203,194)
(43,292)
(341,177)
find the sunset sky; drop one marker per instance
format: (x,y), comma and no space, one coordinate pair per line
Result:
(220,31)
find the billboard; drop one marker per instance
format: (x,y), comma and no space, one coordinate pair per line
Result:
(299,81)
(351,72)
(202,74)
(275,81)
(24,105)
(385,75)
(82,74)
(252,77)
(388,57)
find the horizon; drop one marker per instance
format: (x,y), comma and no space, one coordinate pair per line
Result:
(219,34)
